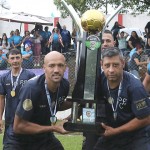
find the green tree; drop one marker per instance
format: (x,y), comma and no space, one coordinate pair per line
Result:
(82,5)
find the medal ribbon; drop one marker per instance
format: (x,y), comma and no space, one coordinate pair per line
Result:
(119,91)
(16,83)
(53,113)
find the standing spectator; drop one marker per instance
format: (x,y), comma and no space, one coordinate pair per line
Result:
(135,61)
(27,56)
(127,107)
(3,59)
(122,43)
(37,47)
(66,38)
(134,40)
(48,34)
(56,40)
(115,29)
(147,31)
(17,40)
(41,98)
(43,42)
(27,39)
(147,28)
(10,38)
(10,84)
(5,44)
(148,41)
(74,38)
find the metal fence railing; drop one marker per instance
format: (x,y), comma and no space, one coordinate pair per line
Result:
(71,61)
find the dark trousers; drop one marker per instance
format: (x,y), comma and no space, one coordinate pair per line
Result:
(66,47)
(51,144)
(89,141)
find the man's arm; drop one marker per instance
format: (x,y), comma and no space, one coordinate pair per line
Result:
(132,125)
(146,82)
(22,126)
(26,56)
(2,105)
(130,44)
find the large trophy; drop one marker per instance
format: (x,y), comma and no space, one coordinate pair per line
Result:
(88,109)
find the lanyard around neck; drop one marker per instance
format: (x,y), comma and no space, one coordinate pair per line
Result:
(14,85)
(53,113)
(114,108)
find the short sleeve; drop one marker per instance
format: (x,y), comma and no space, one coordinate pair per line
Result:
(2,87)
(26,105)
(140,102)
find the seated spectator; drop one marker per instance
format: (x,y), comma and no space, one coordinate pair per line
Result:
(134,40)
(27,57)
(135,61)
(5,44)
(3,60)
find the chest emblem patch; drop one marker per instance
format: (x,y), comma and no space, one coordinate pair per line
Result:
(27,105)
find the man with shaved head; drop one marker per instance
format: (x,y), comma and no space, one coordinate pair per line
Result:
(40,99)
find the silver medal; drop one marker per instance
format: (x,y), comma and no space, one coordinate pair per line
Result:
(115,115)
(53,120)
(110,100)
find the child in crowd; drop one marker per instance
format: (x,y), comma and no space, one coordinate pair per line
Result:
(3,59)
(27,56)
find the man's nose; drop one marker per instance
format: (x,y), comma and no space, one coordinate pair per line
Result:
(56,69)
(111,68)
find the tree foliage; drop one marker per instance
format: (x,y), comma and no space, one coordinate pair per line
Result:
(137,6)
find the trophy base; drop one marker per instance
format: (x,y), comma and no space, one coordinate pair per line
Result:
(82,127)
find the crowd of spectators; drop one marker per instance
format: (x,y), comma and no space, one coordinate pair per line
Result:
(36,43)
(135,49)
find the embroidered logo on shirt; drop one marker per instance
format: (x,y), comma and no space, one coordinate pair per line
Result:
(141,104)
(7,83)
(27,105)
(42,106)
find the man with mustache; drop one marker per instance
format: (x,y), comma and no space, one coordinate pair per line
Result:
(40,99)
(127,106)
(10,84)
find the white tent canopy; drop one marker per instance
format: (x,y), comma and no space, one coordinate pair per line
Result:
(24,18)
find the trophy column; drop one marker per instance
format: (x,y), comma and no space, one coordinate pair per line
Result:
(86,88)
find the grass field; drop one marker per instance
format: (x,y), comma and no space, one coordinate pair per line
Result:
(69,141)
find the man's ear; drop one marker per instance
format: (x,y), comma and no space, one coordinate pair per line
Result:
(115,43)
(123,63)
(44,68)
(101,62)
